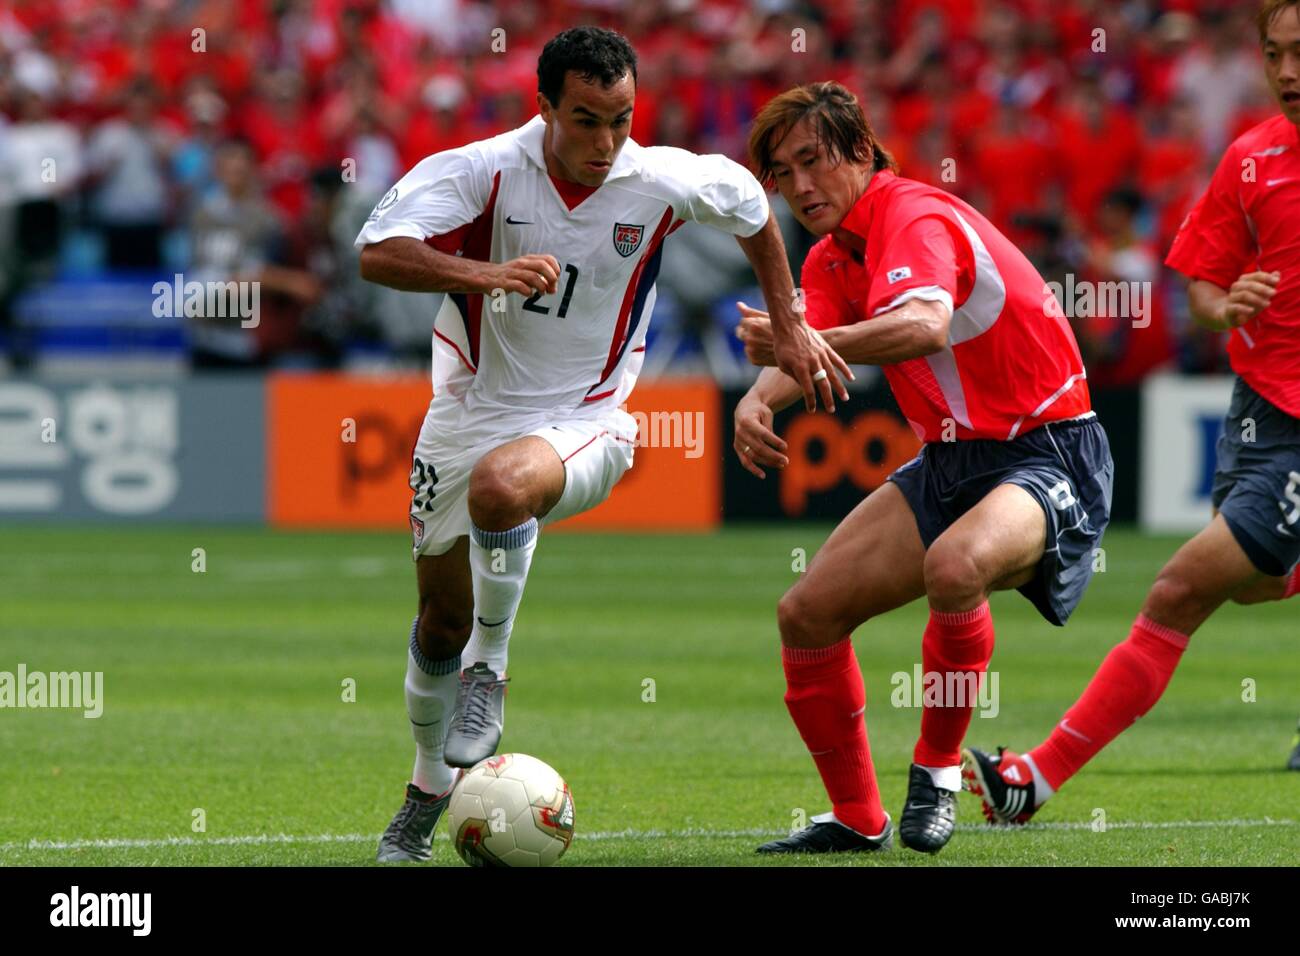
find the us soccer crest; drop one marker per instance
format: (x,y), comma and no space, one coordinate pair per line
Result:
(627,239)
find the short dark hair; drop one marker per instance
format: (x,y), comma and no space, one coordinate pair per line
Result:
(837,119)
(591,52)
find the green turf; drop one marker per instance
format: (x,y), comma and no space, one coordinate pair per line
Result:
(224,692)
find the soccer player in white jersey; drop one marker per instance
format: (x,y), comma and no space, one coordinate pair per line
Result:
(547,240)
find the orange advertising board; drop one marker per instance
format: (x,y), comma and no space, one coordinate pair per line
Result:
(339,448)
(339,454)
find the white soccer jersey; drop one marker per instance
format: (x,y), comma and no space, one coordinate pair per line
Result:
(505,364)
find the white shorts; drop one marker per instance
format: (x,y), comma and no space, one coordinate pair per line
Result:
(596,454)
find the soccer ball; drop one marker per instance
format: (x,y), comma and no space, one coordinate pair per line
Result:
(511,810)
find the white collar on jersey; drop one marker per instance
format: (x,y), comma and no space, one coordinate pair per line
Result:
(627,163)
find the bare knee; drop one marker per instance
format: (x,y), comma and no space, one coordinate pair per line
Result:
(442,632)
(498,501)
(952,576)
(803,623)
(1175,597)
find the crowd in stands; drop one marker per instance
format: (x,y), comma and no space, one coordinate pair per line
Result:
(248,139)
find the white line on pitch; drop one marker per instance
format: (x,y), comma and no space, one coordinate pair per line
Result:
(629,834)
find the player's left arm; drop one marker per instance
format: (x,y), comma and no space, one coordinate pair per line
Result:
(917,328)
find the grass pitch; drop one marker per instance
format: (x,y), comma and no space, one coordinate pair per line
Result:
(224,693)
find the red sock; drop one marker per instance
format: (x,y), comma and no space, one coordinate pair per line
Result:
(1293,584)
(1127,685)
(826,698)
(954,643)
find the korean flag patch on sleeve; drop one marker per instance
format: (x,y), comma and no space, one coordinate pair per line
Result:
(898,275)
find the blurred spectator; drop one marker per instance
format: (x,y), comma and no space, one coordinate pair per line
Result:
(1123,345)
(1217,74)
(41,168)
(1098,146)
(305,313)
(235,235)
(192,160)
(127,170)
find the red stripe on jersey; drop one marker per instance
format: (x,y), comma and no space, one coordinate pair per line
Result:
(457,348)
(629,296)
(478,245)
(450,242)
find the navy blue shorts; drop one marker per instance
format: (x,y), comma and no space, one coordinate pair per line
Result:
(1066,467)
(1257,480)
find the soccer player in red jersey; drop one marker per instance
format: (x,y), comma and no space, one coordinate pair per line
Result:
(1011,490)
(1240,247)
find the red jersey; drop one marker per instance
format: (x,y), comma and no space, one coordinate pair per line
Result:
(1249,220)
(1011,363)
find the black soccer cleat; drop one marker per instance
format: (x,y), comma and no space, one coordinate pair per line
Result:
(1294,762)
(929,813)
(1004,784)
(831,836)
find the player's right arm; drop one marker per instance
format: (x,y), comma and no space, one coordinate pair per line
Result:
(1214,249)
(1223,309)
(411,265)
(440,195)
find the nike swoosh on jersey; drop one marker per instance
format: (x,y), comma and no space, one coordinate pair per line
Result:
(510,221)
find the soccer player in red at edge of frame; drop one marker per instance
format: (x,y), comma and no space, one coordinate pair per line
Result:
(1240,249)
(1011,489)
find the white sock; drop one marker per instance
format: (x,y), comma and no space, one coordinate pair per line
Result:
(945,778)
(430,699)
(499,561)
(1042,789)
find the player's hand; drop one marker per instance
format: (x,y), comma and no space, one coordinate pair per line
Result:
(526,275)
(756,444)
(755,330)
(817,367)
(1249,296)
